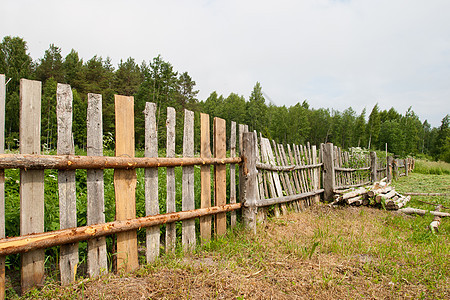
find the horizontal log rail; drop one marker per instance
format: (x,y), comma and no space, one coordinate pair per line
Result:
(49,239)
(270,167)
(350,169)
(427,194)
(342,187)
(279,200)
(73,162)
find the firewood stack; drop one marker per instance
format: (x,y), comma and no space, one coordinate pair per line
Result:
(379,194)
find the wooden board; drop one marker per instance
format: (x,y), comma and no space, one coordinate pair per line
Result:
(187,199)
(151,182)
(2,181)
(233,172)
(31,181)
(220,175)
(68,260)
(97,262)
(294,173)
(125,183)
(170,180)
(205,177)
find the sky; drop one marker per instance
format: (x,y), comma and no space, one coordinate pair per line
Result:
(334,54)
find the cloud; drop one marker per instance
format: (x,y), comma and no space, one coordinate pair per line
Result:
(333,53)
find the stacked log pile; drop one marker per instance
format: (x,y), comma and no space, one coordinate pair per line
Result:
(379,194)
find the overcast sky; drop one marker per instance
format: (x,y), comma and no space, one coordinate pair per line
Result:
(335,54)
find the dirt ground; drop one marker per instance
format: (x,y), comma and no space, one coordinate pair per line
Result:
(321,253)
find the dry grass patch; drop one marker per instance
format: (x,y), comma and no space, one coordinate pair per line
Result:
(322,253)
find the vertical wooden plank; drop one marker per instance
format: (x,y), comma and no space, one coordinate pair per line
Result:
(151,182)
(294,173)
(233,172)
(299,173)
(265,159)
(97,262)
(264,173)
(328,171)
(220,176)
(31,181)
(315,172)
(241,175)
(205,174)
(170,180)
(188,226)
(261,211)
(2,181)
(68,260)
(251,184)
(125,183)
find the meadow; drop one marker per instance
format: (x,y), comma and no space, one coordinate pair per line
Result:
(320,253)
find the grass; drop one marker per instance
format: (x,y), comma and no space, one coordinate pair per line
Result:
(432,167)
(321,253)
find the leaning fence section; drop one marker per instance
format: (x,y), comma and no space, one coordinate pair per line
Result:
(287,177)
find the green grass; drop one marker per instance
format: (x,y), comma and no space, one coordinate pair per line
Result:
(432,167)
(51,207)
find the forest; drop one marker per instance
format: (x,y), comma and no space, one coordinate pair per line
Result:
(157,81)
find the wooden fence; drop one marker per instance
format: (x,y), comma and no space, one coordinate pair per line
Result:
(271,178)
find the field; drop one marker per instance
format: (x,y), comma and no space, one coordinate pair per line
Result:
(321,253)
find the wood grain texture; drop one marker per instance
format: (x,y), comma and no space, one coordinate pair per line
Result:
(220,175)
(205,176)
(151,182)
(125,183)
(328,171)
(187,199)
(251,182)
(68,261)
(31,181)
(170,180)
(2,181)
(233,173)
(97,262)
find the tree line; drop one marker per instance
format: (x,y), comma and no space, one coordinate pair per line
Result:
(157,81)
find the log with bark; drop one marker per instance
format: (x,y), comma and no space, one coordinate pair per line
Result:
(422,212)
(434,225)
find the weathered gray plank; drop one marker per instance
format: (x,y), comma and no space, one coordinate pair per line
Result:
(251,184)
(261,212)
(97,262)
(151,182)
(188,226)
(315,172)
(2,181)
(170,199)
(68,261)
(31,181)
(233,172)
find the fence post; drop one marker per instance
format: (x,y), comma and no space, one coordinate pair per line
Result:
(250,184)
(406,165)
(389,168)
(373,166)
(328,171)
(395,168)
